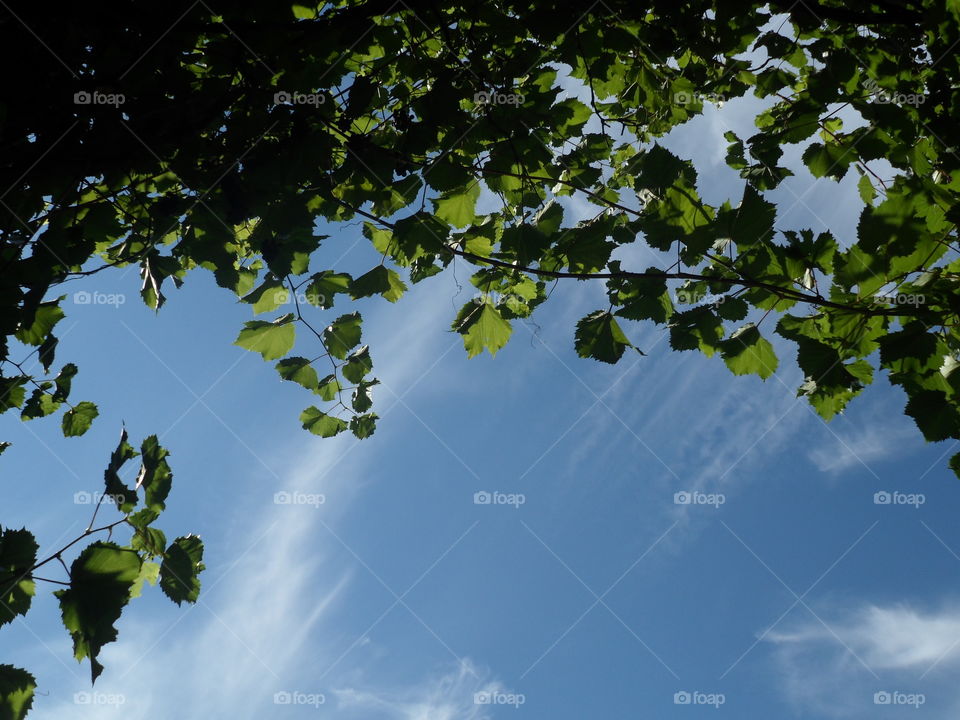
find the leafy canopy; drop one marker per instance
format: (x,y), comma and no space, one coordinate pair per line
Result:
(454,133)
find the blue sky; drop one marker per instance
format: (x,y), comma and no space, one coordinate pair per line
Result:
(787,592)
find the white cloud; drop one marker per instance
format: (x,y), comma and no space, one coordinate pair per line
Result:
(836,668)
(280,584)
(893,638)
(246,635)
(447,696)
(863,447)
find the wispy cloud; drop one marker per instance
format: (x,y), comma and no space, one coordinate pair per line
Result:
(877,441)
(446,696)
(888,638)
(274,609)
(839,666)
(245,637)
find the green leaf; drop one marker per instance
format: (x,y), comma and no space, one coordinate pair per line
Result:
(325,285)
(47,351)
(303,12)
(343,334)
(268,297)
(142,518)
(415,236)
(363,426)
(747,352)
(573,115)
(599,336)
(40,404)
(363,396)
(18,554)
(181,568)
(150,541)
(482,326)
(12,392)
(936,416)
(149,573)
(642,298)
(753,219)
(379,281)
(328,388)
(866,189)
(272,340)
(458,208)
(16,692)
(64,381)
(422,268)
(732,308)
(658,168)
(358,365)
(77,420)
(100,582)
(446,174)
(123,496)
(47,315)
(155,475)
(830,160)
(319,423)
(298,370)
(398,195)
